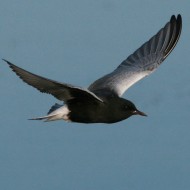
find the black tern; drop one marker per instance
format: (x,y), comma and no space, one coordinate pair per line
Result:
(101,102)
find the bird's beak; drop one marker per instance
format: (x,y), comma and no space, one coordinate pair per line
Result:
(137,112)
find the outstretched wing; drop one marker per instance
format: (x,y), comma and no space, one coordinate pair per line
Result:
(143,61)
(61,91)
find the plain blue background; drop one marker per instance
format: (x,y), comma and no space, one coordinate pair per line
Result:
(77,42)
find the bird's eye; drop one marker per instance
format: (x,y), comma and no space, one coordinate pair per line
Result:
(128,107)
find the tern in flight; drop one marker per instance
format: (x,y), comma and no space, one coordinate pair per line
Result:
(101,102)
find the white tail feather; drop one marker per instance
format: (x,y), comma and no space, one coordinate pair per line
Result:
(60,113)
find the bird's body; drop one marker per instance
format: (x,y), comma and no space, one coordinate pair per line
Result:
(100,112)
(83,111)
(102,102)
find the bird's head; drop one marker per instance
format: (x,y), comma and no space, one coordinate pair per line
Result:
(131,109)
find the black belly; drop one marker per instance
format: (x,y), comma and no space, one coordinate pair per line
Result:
(85,111)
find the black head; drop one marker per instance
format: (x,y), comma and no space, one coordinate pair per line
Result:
(131,109)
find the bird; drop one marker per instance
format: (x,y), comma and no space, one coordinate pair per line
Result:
(102,101)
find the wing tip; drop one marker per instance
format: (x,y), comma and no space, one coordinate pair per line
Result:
(176,24)
(5,60)
(178,17)
(9,63)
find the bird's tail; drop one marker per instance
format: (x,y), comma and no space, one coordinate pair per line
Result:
(47,118)
(56,112)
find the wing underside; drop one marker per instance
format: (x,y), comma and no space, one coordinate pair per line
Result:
(143,61)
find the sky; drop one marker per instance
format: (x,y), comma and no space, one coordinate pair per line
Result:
(77,42)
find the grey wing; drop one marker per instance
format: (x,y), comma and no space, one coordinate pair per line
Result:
(143,61)
(61,91)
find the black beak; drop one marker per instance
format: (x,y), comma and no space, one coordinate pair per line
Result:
(137,112)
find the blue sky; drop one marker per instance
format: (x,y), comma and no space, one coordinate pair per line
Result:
(77,42)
